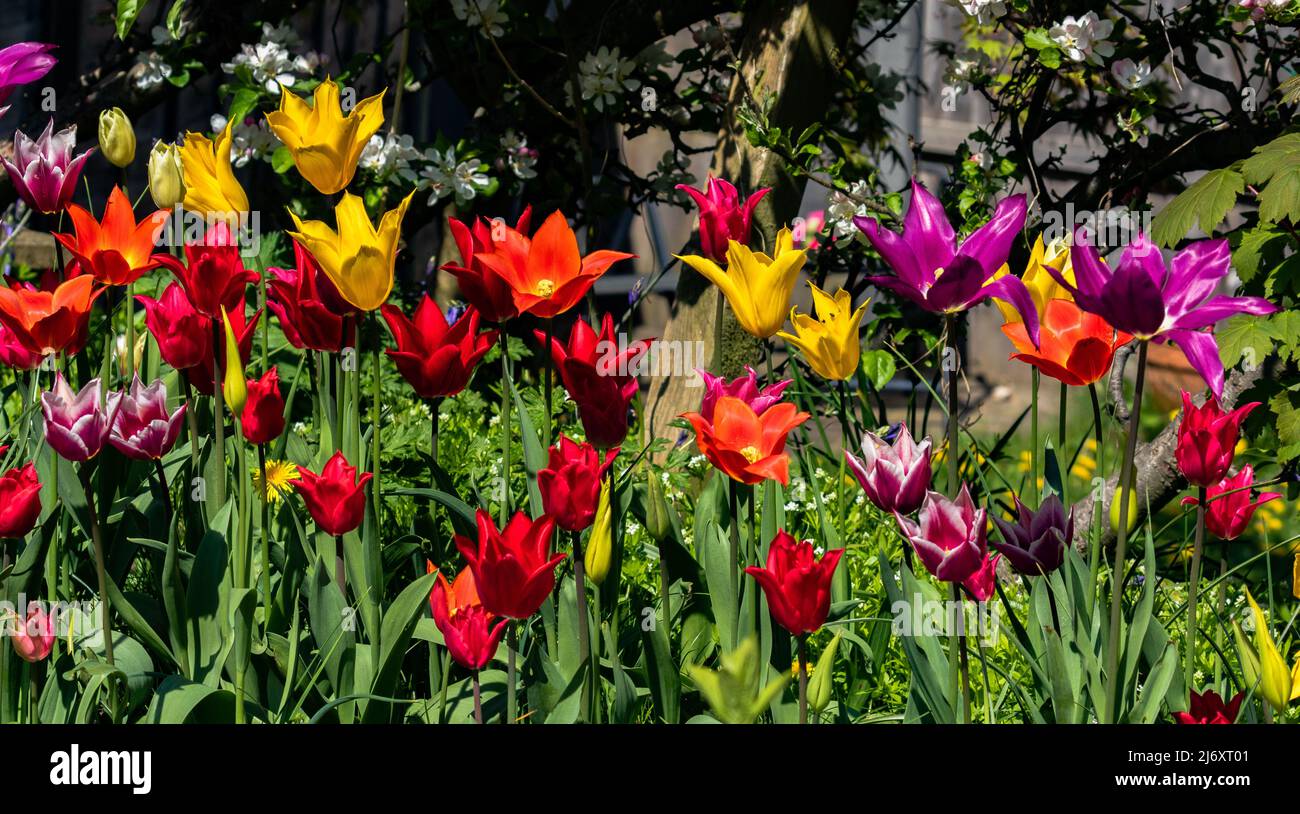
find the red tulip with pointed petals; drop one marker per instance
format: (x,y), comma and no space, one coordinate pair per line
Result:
(479,283)
(570,485)
(467,627)
(1207,440)
(797,584)
(336,498)
(513,568)
(436,359)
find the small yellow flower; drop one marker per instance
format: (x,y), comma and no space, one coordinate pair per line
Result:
(116,137)
(210,185)
(325,144)
(357,258)
(757,286)
(830,342)
(1042,286)
(794,669)
(276,481)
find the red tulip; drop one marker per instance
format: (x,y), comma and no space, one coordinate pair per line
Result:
(200,376)
(184,336)
(33,639)
(722,215)
(263,418)
(466,625)
(797,584)
(335,498)
(513,569)
(570,485)
(20,501)
(479,284)
(1227,517)
(436,360)
(51,319)
(1208,708)
(983,582)
(311,312)
(1207,440)
(599,377)
(214,275)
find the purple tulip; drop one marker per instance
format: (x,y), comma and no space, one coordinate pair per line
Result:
(894,477)
(142,429)
(931,270)
(43,171)
(950,539)
(1175,304)
(744,388)
(21,63)
(76,425)
(1035,544)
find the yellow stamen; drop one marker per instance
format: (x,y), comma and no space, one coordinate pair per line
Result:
(545,288)
(750,453)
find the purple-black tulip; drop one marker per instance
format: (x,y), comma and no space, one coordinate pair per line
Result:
(1035,544)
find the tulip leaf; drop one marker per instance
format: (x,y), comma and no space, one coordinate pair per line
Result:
(178,701)
(462,516)
(398,625)
(535,456)
(822,682)
(138,624)
(1155,688)
(719,569)
(206,600)
(879,367)
(665,687)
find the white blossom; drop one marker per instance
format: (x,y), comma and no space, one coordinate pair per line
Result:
(249,139)
(842,209)
(271,62)
(389,155)
(603,76)
(151,69)
(1083,38)
(484,15)
(1131,75)
(519,157)
(984,11)
(444,176)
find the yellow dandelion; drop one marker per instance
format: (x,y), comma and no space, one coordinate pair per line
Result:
(277,481)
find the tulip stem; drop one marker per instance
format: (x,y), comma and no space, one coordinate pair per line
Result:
(340,570)
(376,393)
(1220,600)
(218,418)
(580,586)
(1063,466)
(478,699)
(512,645)
(735,543)
(192,419)
(959,639)
(803,678)
(549,363)
(953,430)
(1033,432)
(1121,541)
(129,308)
(1194,589)
(446,682)
(1098,492)
(504,510)
(266,539)
(101,576)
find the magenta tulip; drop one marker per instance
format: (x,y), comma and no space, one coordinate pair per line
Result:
(950,539)
(894,478)
(77,425)
(723,217)
(21,63)
(745,388)
(142,427)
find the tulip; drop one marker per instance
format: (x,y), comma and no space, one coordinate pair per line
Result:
(747,447)
(201,376)
(744,388)
(547,275)
(571,483)
(184,336)
(950,539)
(262,420)
(22,63)
(116,137)
(1042,287)
(33,639)
(336,498)
(308,306)
(46,322)
(479,284)
(13,354)
(932,270)
(1207,440)
(513,568)
(758,287)
(324,143)
(600,378)
(1228,507)
(436,359)
(143,430)
(166,176)
(599,555)
(209,180)
(1262,665)
(830,342)
(983,583)
(722,216)
(235,387)
(1132,514)
(466,625)
(894,478)
(77,425)
(1208,708)
(213,275)
(43,172)
(1035,544)
(1143,297)
(115,251)
(1075,347)
(358,259)
(796,583)
(20,501)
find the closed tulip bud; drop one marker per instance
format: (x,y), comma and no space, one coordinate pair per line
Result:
(1132,510)
(235,387)
(166,178)
(1262,665)
(657,519)
(116,137)
(600,545)
(819,686)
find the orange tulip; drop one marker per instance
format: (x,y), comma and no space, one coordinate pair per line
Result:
(1076,347)
(117,250)
(48,322)
(547,275)
(748,447)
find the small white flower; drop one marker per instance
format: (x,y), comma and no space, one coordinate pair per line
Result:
(1083,38)
(151,69)
(791,506)
(251,138)
(1131,75)
(842,209)
(484,15)
(389,155)
(519,156)
(603,76)
(984,11)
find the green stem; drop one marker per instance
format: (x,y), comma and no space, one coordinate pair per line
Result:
(1220,601)
(953,429)
(1194,589)
(1062,464)
(504,511)
(478,696)
(1099,493)
(1033,434)
(549,363)
(580,588)
(376,393)
(218,418)
(803,678)
(963,652)
(129,308)
(512,646)
(266,540)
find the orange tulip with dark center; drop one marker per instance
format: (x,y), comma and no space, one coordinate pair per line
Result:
(748,447)
(1076,347)
(116,250)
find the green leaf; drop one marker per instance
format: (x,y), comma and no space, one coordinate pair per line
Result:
(398,625)
(1037,39)
(174,19)
(1244,336)
(1205,204)
(1256,249)
(127,12)
(281,160)
(879,367)
(243,103)
(1286,409)
(1276,164)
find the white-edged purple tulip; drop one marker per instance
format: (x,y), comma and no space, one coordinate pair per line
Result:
(894,477)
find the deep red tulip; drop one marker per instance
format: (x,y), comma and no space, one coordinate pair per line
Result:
(1207,440)
(480,285)
(200,376)
(184,336)
(20,501)
(434,358)
(599,376)
(570,485)
(797,584)
(311,312)
(514,568)
(263,418)
(983,582)
(335,498)
(466,625)
(1227,517)
(214,275)
(1208,708)
(13,354)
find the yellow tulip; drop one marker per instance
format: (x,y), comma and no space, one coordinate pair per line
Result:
(210,185)
(116,137)
(166,178)
(600,543)
(1042,286)
(757,286)
(1263,663)
(325,143)
(235,388)
(829,342)
(358,259)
